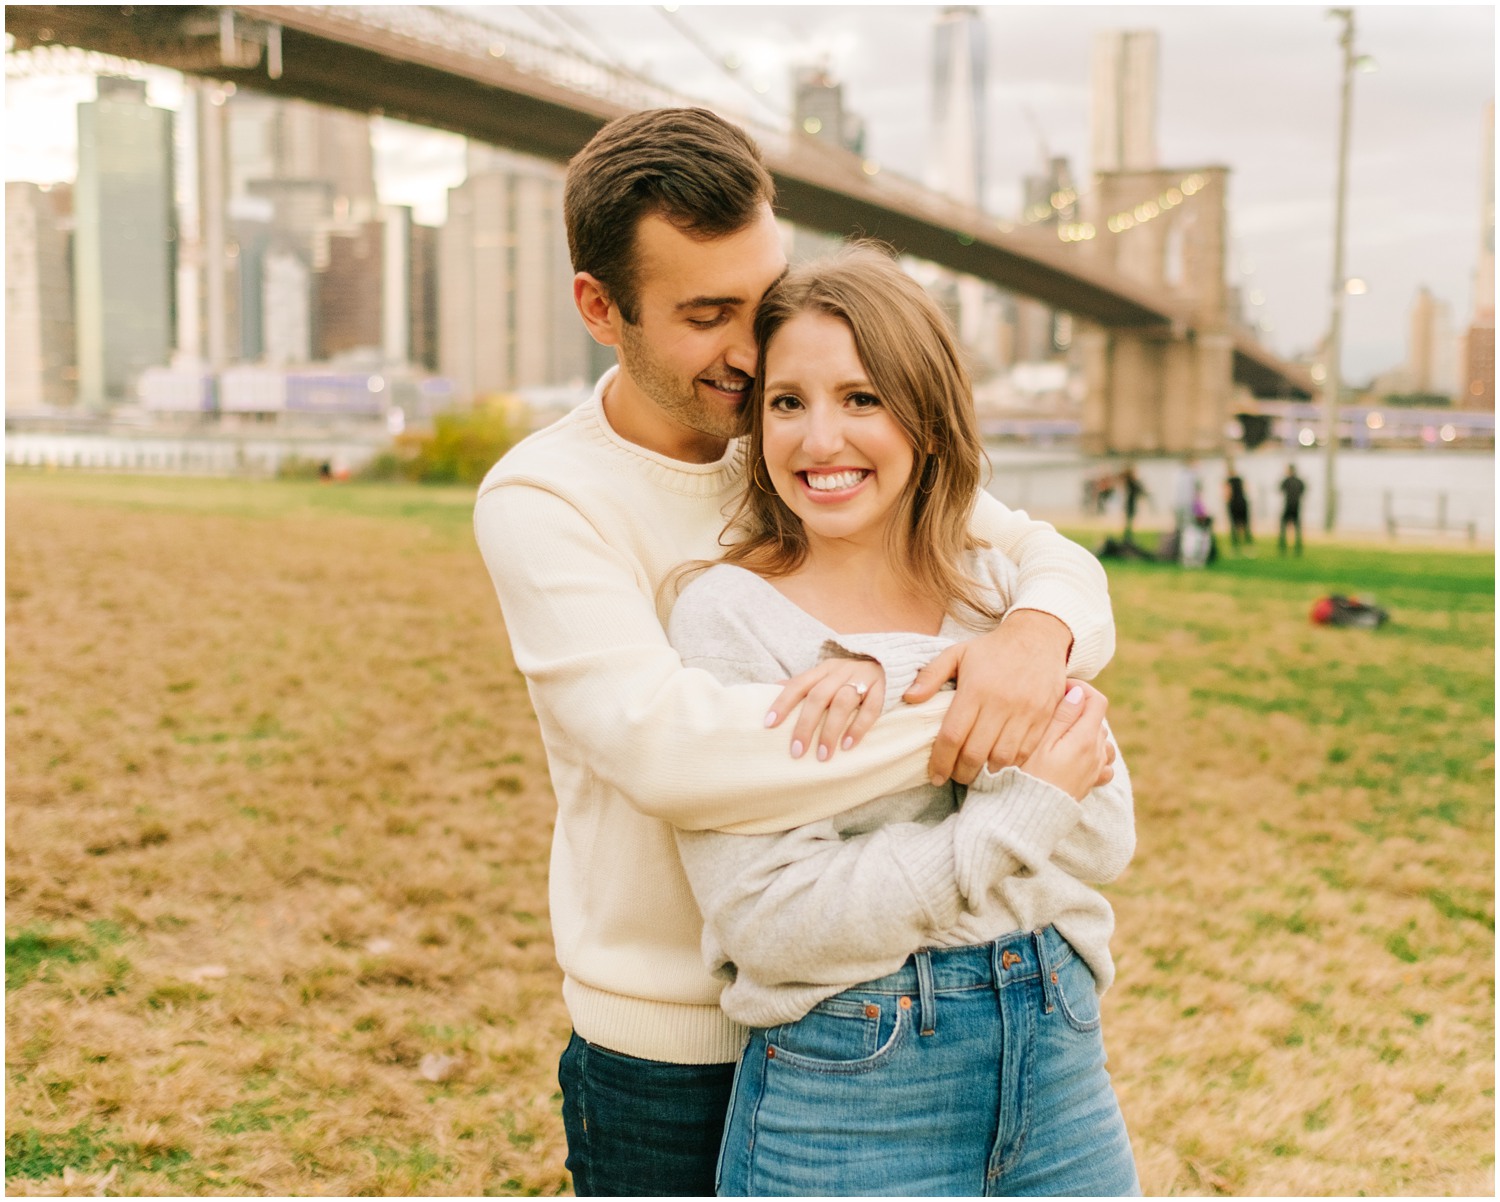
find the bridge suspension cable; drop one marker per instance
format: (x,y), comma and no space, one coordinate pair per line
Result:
(550,18)
(726,65)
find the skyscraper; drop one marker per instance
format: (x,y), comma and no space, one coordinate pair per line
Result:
(124,245)
(39,346)
(818,109)
(818,112)
(302,170)
(1477,385)
(1431,366)
(505,303)
(1124,109)
(348,292)
(956,166)
(367,289)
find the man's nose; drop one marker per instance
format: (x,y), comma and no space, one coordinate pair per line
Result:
(740,353)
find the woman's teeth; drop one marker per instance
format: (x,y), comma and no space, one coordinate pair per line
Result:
(833,481)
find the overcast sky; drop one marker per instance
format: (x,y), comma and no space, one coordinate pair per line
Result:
(1254,88)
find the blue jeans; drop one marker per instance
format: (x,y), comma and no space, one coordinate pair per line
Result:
(972,1071)
(641,1128)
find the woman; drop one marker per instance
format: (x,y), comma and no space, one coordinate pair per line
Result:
(921,978)
(1238,505)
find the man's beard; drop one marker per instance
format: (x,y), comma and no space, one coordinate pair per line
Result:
(677,396)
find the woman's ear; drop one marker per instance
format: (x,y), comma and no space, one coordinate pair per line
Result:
(601,316)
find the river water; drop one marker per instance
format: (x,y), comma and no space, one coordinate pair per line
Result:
(1421,487)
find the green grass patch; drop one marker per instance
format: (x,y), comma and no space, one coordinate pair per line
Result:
(36,1155)
(29,950)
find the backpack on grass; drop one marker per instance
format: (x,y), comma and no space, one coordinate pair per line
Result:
(1338,610)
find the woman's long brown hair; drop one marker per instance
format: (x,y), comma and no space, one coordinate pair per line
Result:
(908,351)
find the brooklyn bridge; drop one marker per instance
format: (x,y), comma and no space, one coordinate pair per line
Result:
(1142,269)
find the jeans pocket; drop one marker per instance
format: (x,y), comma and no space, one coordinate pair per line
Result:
(1076,996)
(844,1034)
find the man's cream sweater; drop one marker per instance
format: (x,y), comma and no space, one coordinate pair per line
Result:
(579,529)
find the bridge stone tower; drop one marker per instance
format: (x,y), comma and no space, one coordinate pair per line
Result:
(1164,390)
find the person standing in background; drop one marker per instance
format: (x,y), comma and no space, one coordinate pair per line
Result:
(1134,490)
(1292,488)
(1238,505)
(1188,489)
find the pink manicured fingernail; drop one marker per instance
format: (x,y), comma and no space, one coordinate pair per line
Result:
(848,742)
(1074,695)
(822,751)
(937,782)
(796,748)
(771,718)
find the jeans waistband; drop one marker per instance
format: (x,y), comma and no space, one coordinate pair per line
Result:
(1009,960)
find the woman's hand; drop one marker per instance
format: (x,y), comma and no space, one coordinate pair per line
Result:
(842,696)
(1009,684)
(1075,752)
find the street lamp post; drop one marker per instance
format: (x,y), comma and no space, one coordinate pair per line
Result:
(1333,378)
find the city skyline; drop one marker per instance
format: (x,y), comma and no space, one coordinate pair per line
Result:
(1415,195)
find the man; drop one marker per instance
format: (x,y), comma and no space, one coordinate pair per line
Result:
(1134,491)
(1292,488)
(674,243)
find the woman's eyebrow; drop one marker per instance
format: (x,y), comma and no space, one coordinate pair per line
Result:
(841,386)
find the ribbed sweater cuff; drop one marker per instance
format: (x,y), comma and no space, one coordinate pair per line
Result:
(1013,828)
(901,655)
(672,1032)
(1091,638)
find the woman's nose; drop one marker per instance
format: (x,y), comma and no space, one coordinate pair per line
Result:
(824,434)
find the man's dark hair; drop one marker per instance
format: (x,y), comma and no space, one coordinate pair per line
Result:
(687,165)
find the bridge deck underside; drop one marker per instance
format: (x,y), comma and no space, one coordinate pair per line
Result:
(430,85)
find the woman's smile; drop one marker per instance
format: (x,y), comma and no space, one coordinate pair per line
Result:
(834,453)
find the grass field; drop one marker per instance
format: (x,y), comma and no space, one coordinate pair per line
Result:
(278,819)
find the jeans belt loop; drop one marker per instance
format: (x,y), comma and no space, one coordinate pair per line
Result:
(926,997)
(1049,986)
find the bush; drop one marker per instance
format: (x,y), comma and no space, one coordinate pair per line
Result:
(461,447)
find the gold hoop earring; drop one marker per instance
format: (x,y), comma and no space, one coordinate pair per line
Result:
(755,476)
(929,469)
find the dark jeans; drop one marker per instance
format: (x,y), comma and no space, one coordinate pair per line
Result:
(1239,525)
(1292,518)
(641,1128)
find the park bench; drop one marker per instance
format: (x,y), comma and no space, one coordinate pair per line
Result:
(1433,519)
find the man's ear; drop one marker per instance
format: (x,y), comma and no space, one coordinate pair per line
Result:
(601,316)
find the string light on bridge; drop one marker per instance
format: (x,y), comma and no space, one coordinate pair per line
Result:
(1054,206)
(1151,209)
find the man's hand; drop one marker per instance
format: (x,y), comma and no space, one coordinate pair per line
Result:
(1010,682)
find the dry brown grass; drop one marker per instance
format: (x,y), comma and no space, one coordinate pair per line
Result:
(277,836)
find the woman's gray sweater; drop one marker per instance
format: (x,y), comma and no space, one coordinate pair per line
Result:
(793,918)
